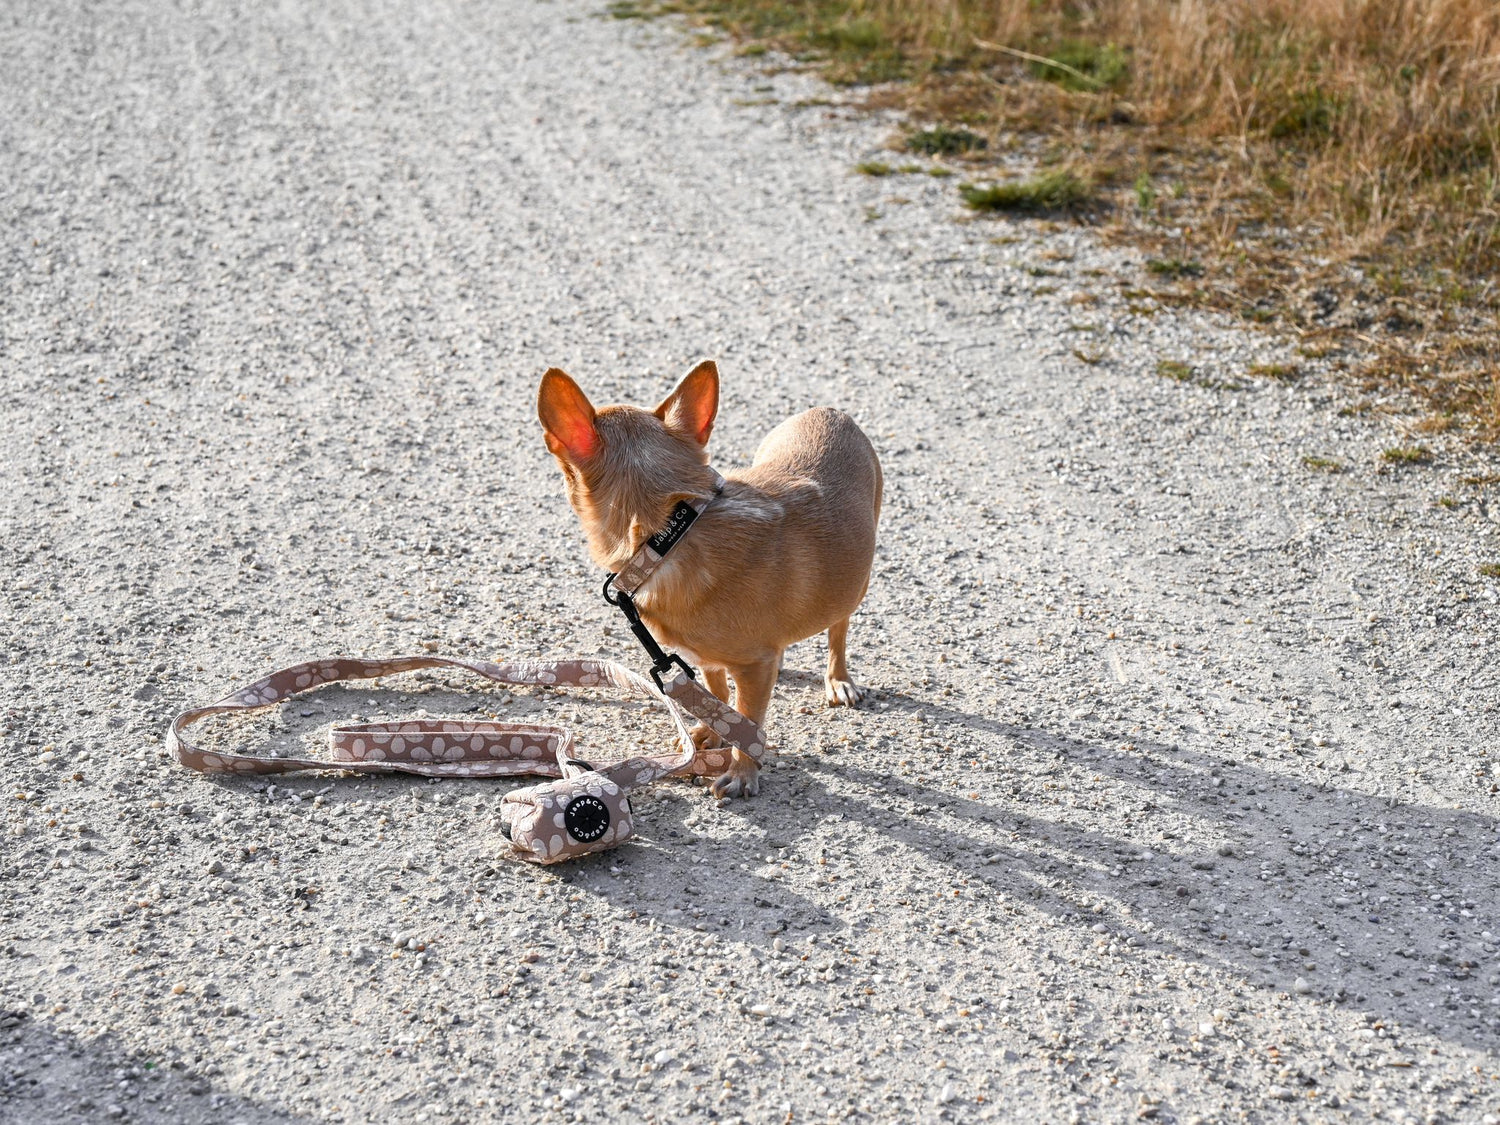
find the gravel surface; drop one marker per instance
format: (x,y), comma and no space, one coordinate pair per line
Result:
(1177,798)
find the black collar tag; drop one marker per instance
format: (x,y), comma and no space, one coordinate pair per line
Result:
(678,522)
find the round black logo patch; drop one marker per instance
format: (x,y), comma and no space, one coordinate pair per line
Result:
(586,818)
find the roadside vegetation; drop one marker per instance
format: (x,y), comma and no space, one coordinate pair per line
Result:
(1327,167)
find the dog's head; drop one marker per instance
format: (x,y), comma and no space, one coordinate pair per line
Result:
(625,467)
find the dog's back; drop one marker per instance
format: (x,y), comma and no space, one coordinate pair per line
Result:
(822,469)
(826,446)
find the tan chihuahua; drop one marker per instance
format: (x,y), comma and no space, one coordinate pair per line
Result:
(783,554)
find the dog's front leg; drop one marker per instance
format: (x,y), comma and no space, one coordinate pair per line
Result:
(752,697)
(717,681)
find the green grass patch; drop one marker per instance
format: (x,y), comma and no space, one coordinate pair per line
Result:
(1307,112)
(1050,191)
(1174,267)
(943,140)
(628,10)
(1180,372)
(873,168)
(1145,195)
(1490,570)
(1281,372)
(1407,455)
(856,36)
(1083,66)
(859,52)
(1323,464)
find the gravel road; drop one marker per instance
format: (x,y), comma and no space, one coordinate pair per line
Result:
(1177,798)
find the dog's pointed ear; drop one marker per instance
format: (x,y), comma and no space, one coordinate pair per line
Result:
(567,416)
(690,409)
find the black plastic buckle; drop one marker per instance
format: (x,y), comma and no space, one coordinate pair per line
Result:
(673,659)
(661,660)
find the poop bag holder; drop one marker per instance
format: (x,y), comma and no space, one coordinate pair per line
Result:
(584,812)
(587,809)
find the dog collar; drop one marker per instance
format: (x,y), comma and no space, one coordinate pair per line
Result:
(621,586)
(641,565)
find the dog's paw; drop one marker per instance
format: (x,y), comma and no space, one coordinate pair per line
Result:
(738,782)
(843,693)
(705,737)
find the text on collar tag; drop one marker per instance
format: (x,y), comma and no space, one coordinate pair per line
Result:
(678,522)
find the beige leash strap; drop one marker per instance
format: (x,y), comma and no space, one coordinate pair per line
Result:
(586,810)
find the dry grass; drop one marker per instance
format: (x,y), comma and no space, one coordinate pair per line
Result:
(1334,165)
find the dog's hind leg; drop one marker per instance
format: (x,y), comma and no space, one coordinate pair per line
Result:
(840,691)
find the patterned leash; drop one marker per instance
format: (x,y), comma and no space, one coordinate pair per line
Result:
(586,810)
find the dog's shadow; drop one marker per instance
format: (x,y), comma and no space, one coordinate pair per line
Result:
(1260,902)
(1252,902)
